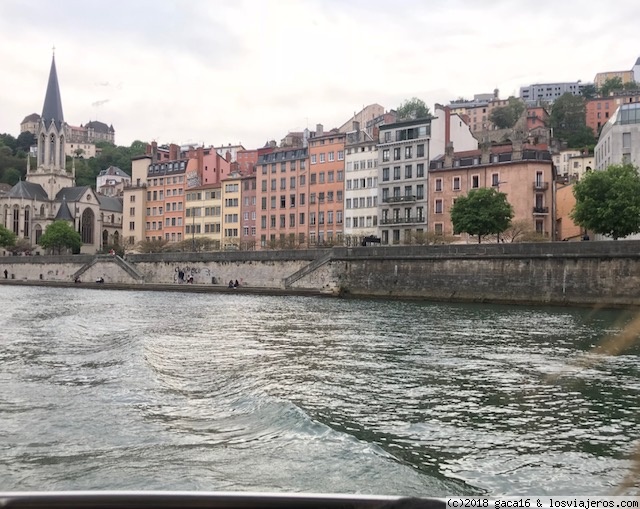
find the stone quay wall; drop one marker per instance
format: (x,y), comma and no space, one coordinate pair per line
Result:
(564,273)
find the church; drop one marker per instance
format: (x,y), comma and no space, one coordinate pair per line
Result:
(48,193)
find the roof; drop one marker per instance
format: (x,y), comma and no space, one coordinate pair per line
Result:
(34,117)
(72,194)
(64,212)
(52,109)
(28,190)
(98,126)
(110,203)
(494,149)
(113,170)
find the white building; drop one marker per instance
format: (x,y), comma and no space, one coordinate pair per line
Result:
(405,149)
(561,160)
(620,138)
(361,186)
(549,92)
(112,181)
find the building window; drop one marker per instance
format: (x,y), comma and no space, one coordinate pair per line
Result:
(396,154)
(495,179)
(396,173)
(385,155)
(408,170)
(408,152)
(438,206)
(313,159)
(475,181)
(438,184)
(420,150)
(456,183)
(322,157)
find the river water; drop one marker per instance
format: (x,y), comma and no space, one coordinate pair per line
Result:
(121,390)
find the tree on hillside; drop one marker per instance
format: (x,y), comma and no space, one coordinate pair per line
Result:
(24,142)
(413,108)
(589,91)
(608,202)
(7,237)
(10,176)
(482,212)
(61,235)
(568,120)
(506,117)
(611,85)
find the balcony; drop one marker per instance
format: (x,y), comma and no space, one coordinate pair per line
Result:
(401,220)
(540,186)
(399,199)
(540,210)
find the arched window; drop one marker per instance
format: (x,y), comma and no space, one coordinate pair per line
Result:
(61,150)
(27,214)
(41,148)
(38,232)
(105,238)
(41,210)
(16,219)
(52,149)
(88,220)
(116,239)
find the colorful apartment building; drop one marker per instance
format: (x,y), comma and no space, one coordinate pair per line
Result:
(134,202)
(326,187)
(404,151)
(166,183)
(281,193)
(248,232)
(204,214)
(361,186)
(523,172)
(231,211)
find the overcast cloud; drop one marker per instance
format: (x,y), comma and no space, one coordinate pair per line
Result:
(219,72)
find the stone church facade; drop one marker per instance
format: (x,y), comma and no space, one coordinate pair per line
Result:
(49,193)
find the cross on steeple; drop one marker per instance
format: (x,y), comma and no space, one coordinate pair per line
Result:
(53,50)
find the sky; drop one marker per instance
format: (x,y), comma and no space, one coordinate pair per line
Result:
(247,71)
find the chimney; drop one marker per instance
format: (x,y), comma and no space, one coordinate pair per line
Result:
(173,152)
(191,154)
(516,150)
(448,155)
(154,152)
(200,156)
(227,156)
(485,152)
(319,129)
(356,126)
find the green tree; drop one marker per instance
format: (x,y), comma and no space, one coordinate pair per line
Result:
(8,141)
(568,116)
(611,85)
(413,108)
(60,235)
(482,212)
(608,202)
(7,237)
(10,176)
(589,91)
(506,117)
(631,85)
(25,141)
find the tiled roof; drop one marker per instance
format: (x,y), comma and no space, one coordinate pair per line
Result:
(28,190)
(110,203)
(71,194)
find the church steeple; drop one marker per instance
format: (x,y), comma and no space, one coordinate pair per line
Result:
(52,109)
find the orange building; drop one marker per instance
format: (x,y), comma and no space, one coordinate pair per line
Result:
(282,191)
(523,172)
(566,229)
(599,110)
(166,182)
(326,187)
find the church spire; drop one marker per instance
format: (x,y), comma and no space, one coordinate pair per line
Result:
(52,109)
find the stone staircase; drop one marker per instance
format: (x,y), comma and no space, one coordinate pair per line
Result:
(127,267)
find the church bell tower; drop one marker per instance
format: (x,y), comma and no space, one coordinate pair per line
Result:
(50,170)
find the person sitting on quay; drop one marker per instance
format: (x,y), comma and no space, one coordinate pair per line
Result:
(236,284)
(231,283)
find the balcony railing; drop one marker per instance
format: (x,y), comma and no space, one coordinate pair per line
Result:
(540,210)
(401,220)
(540,186)
(399,199)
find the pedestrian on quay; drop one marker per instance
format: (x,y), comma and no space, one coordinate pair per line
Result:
(6,274)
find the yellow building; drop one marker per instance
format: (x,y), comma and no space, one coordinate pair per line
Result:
(231,211)
(134,203)
(601,77)
(204,215)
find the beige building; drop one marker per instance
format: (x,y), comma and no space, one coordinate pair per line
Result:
(204,214)
(523,172)
(134,202)
(231,211)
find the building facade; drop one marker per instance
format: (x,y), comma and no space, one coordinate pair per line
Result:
(361,186)
(523,172)
(549,92)
(619,140)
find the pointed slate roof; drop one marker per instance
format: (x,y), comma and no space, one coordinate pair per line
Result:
(72,194)
(113,170)
(28,190)
(64,212)
(52,109)
(109,203)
